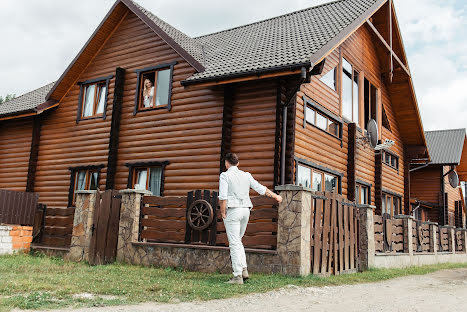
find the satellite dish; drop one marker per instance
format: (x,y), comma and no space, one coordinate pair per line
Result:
(453,179)
(372,129)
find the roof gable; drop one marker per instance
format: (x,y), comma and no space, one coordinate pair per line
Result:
(176,39)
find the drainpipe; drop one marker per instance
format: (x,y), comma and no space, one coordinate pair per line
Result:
(284,122)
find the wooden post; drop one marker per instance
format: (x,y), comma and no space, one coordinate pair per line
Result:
(351,155)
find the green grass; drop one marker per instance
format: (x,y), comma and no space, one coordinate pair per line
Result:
(39,282)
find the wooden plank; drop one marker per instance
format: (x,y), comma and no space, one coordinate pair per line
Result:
(165,212)
(346,238)
(163,236)
(269,241)
(317,245)
(325,236)
(110,252)
(341,227)
(189,201)
(264,213)
(263,201)
(352,238)
(195,235)
(175,201)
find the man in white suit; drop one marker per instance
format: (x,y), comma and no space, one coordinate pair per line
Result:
(235,205)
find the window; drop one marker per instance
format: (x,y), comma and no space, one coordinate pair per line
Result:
(92,101)
(386,120)
(316,180)
(304,176)
(391,204)
(362,194)
(329,79)
(370,102)
(154,87)
(149,179)
(391,160)
(320,120)
(349,91)
(85,179)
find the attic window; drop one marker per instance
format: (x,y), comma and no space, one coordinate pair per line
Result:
(370,102)
(329,79)
(93,98)
(154,88)
(349,91)
(386,120)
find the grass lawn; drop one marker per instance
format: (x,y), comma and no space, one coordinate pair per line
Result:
(39,282)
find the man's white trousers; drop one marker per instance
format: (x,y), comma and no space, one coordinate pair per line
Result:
(235,225)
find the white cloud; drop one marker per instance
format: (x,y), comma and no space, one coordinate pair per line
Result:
(40,38)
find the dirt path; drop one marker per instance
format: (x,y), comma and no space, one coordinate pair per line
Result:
(439,291)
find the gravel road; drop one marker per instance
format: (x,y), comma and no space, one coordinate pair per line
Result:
(440,291)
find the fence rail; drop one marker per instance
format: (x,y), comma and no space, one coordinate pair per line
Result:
(18,207)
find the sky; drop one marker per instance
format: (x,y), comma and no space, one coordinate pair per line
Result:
(40,38)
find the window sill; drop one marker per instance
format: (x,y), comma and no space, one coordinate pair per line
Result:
(140,110)
(334,136)
(91,118)
(392,167)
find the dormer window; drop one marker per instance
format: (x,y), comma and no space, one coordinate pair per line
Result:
(154,88)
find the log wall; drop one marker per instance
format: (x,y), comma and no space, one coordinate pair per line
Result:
(15,148)
(315,145)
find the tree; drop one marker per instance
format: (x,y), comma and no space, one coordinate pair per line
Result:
(7,98)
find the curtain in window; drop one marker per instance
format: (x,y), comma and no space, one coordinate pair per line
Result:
(81,181)
(142,178)
(93,184)
(101,105)
(155,180)
(88,100)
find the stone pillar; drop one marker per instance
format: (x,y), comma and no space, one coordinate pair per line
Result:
(408,234)
(293,234)
(433,240)
(452,239)
(129,223)
(82,226)
(366,237)
(410,221)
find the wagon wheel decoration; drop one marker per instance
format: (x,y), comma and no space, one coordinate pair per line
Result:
(200,214)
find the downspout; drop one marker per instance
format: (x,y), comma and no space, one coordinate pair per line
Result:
(284,122)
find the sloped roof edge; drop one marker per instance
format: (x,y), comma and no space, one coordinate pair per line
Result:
(133,8)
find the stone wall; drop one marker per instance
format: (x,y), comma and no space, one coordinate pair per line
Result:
(15,238)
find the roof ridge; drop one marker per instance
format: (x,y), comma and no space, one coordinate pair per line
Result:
(27,93)
(443,130)
(268,19)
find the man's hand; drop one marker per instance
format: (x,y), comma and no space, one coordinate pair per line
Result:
(223,204)
(279,199)
(271,194)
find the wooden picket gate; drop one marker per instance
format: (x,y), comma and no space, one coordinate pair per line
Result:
(334,239)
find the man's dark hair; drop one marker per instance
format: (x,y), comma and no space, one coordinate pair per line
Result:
(232,158)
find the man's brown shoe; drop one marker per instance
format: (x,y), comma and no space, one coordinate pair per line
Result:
(238,280)
(245,275)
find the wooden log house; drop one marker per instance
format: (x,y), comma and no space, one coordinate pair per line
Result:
(145,106)
(431,192)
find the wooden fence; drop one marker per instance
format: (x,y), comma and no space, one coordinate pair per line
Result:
(164,219)
(334,234)
(58,227)
(18,208)
(391,236)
